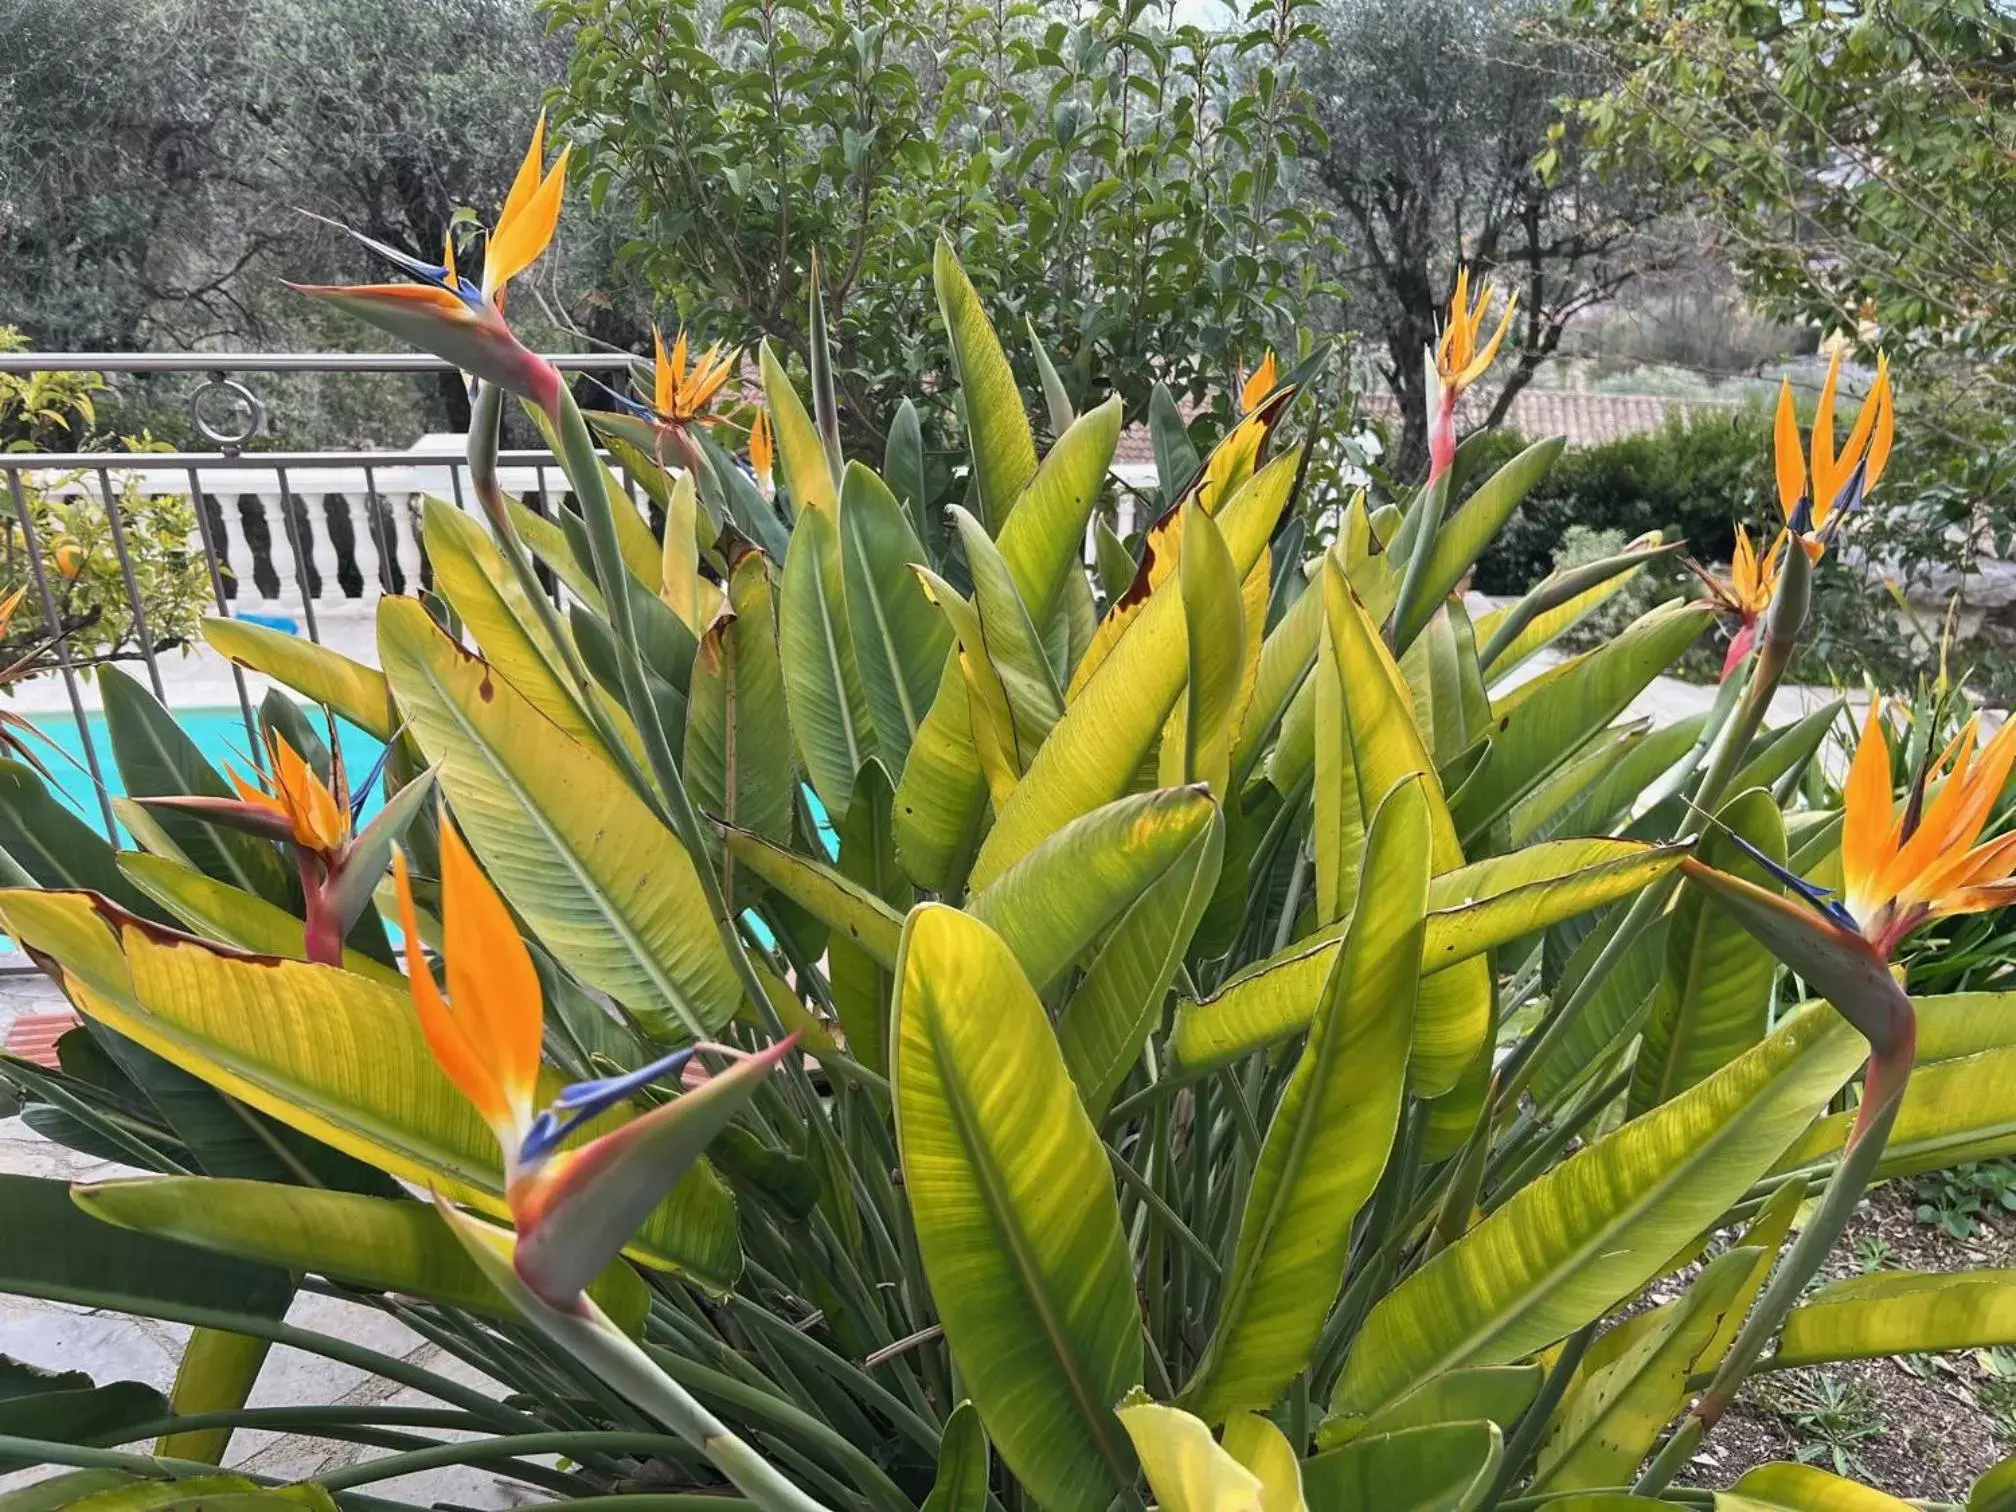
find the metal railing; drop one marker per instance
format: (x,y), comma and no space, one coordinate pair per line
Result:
(297,540)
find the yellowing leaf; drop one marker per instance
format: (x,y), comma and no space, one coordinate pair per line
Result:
(1186,1469)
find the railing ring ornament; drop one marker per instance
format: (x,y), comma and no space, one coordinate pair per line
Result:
(247,409)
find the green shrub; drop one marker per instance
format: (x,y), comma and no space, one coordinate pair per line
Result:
(1694,478)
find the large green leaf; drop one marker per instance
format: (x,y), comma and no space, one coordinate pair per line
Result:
(68,1409)
(1544,810)
(1198,747)
(961,1483)
(942,800)
(1715,994)
(737,760)
(1961,1100)
(836,900)
(1542,723)
(900,641)
(1609,800)
(1802,1488)
(1446,1467)
(1507,637)
(472,576)
(822,683)
(1112,723)
(1118,1002)
(1578,1240)
(1053,904)
(1498,1393)
(50,1249)
(605,886)
(353,690)
(1002,637)
(1470,910)
(860,978)
(1331,1132)
(1616,1009)
(1018,1225)
(1612,1418)
(1337,819)
(156,760)
(337,1056)
(218,911)
(1453,1013)
(1995,1491)
(1286,655)
(1466,533)
(547,540)
(801,455)
(53,847)
(998,437)
(60,1491)
(1185,1468)
(1901,1312)
(903,468)
(377,1243)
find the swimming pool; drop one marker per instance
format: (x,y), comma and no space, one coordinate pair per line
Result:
(218,733)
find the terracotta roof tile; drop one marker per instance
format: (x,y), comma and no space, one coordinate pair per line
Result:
(1585,419)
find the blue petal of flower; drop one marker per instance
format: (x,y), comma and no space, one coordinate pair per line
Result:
(583,1101)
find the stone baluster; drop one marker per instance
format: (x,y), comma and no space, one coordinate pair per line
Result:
(365,525)
(402,544)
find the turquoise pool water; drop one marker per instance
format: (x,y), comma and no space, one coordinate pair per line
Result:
(218,733)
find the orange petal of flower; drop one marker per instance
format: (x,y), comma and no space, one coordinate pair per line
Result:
(319,822)
(1952,818)
(713,370)
(1476,367)
(1881,435)
(491,981)
(526,182)
(1791,463)
(1867,828)
(453,1050)
(662,387)
(1826,478)
(1259,385)
(762,449)
(1743,568)
(251,793)
(525,231)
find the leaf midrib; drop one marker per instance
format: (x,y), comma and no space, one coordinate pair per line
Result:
(1027,1273)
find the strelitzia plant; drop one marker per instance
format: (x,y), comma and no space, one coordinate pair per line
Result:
(573,1209)
(1458,361)
(682,393)
(1260,1051)
(1819,489)
(445,313)
(1745,594)
(338,864)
